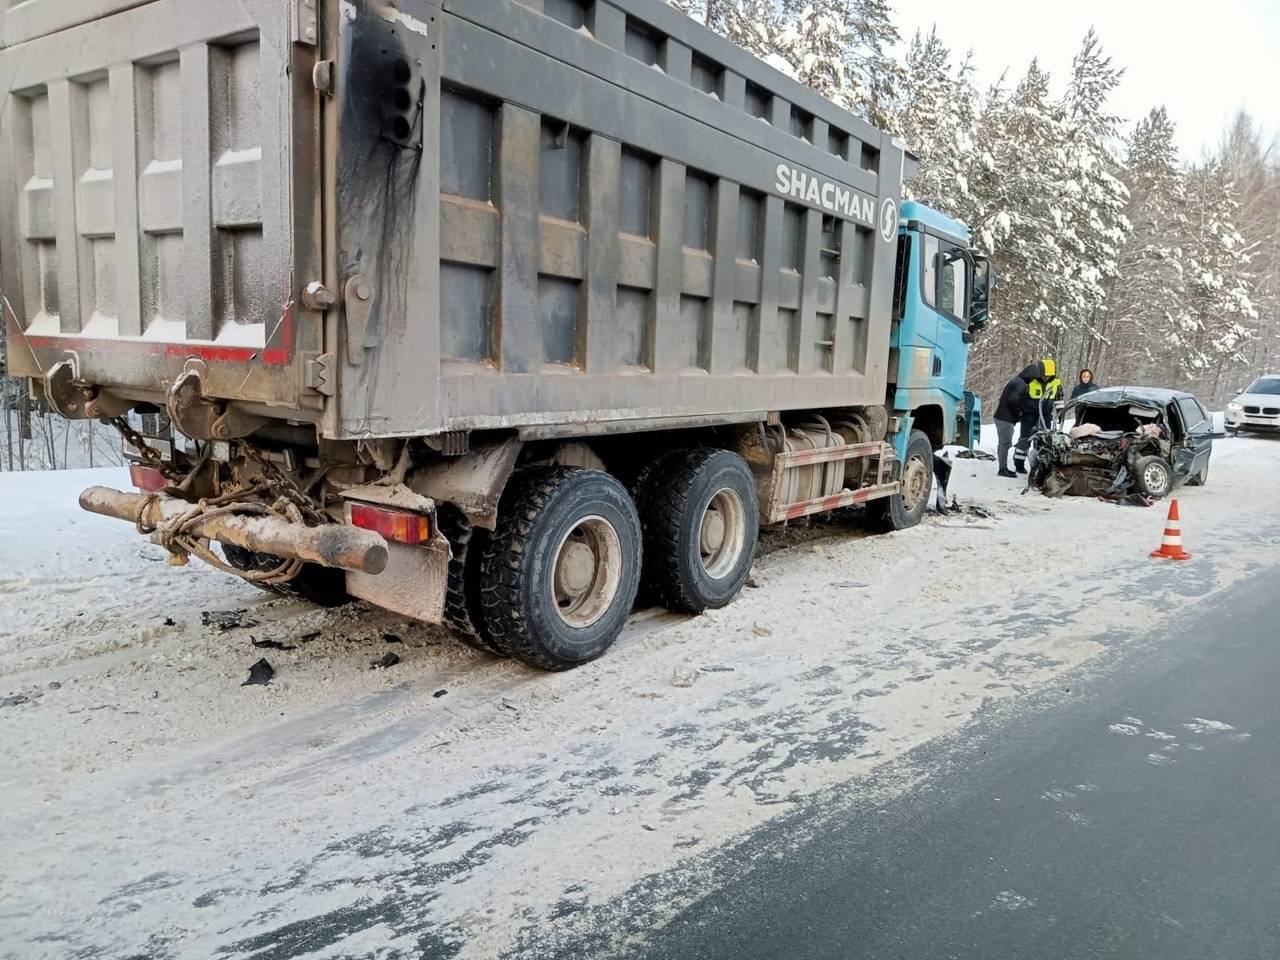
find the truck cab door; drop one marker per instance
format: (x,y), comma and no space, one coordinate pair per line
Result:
(946,290)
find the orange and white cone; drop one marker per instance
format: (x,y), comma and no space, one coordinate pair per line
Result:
(1171,542)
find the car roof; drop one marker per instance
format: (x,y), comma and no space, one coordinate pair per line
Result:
(1110,395)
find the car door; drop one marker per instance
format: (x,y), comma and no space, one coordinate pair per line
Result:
(1197,439)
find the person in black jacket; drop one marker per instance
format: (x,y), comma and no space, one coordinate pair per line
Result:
(1009,414)
(1085,384)
(1043,393)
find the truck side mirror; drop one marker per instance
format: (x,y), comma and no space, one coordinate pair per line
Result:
(980,295)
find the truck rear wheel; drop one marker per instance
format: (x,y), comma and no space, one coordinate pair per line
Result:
(906,508)
(560,573)
(701,522)
(462,612)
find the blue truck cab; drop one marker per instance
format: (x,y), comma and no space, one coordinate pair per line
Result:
(942,289)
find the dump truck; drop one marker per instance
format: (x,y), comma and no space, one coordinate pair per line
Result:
(495,313)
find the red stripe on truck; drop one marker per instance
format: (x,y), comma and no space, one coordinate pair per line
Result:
(272,356)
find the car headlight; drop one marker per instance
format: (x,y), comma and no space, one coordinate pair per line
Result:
(1234,407)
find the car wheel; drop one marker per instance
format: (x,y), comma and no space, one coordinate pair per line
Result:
(906,509)
(700,519)
(560,572)
(1153,477)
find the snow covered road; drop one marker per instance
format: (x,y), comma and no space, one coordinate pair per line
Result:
(457,805)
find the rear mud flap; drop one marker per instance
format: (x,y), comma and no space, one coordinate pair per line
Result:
(413,583)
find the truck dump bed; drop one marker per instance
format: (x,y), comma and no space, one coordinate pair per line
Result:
(537,214)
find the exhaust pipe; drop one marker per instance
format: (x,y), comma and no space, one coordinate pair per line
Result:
(330,544)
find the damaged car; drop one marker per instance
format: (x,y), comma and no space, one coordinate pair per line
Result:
(1126,443)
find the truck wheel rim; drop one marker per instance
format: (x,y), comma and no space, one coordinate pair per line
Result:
(913,482)
(1154,477)
(586,571)
(722,533)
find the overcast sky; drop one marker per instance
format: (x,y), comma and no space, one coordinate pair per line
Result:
(1201,60)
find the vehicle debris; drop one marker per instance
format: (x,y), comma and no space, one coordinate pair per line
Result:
(260,673)
(226,620)
(271,644)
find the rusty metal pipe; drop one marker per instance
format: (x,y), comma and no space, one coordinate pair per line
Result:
(331,544)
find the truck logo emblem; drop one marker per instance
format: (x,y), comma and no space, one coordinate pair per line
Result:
(888,219)
(811,189)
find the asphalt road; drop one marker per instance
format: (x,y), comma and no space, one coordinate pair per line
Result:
(1135,819)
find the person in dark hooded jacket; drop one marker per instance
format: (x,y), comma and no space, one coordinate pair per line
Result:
(1085,384)
(1009,411)
(1043,393)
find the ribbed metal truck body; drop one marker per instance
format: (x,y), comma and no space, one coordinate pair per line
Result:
(410,218)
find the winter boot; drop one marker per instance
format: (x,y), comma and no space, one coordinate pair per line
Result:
(1005,472)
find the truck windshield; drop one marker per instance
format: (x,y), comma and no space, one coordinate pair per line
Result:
(1267,385)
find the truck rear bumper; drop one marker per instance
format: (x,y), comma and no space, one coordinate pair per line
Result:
(330,545)
(407,579)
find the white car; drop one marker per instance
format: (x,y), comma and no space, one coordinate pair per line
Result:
(1257,407)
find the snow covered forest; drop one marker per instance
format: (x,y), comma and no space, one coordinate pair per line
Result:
(1111,250)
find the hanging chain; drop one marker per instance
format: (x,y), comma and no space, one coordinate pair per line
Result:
(145,450)
(282,486)
(275,494)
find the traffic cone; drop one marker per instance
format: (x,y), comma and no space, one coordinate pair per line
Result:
(1171,542)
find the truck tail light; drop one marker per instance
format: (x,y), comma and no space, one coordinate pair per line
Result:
(147,478)
(402,526)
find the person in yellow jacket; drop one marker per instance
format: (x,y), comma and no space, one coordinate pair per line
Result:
(1037,410)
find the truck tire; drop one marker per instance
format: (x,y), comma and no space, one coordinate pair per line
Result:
(323,586)
(1153,477)
(905,509)
(559,574)
(648,595)
(701,521)
(462,613)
